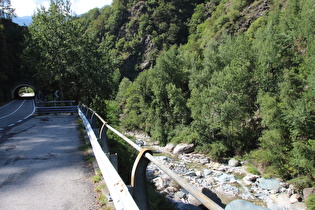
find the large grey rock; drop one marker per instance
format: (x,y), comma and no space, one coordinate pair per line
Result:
(226,178)
(169,147)
(269,184)
(243,205)
(199,174)
(233,162)
(250,179)
(192,200)
(183,148)
(204,161)
(213,196)
(159,183)
(180,195)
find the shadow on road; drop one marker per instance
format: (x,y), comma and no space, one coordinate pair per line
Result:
(42,166)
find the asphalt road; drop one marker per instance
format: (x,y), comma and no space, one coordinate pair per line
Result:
(41,166)
(15,112)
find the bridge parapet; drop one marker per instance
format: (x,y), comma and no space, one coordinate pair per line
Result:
(47,107)
(93,122)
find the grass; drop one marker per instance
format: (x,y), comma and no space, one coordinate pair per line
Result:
(100,187)
(103,200)
(252,169)
(89,158)
(96,178)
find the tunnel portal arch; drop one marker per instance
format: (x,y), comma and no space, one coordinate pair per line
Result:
(16,88)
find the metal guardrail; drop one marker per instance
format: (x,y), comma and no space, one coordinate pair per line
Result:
(118,189)
(96,126)
(46,107)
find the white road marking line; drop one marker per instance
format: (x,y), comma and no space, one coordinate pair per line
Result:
(34,109)
(14,111)
(7,104)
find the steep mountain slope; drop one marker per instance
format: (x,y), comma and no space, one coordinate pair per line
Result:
(235,78)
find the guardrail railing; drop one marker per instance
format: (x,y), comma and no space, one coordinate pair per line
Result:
(46,107)
(136,196)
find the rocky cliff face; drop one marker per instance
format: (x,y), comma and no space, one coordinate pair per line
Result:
(153,27)
(139,30)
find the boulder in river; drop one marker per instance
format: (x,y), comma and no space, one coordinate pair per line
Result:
(183,148)
(210,194)
(224,178)
(269,184)
(250,179)
(233,162)
(169,147)
(243,205)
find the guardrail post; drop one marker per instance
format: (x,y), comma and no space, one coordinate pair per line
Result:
(93,124)
(92,120)
(103,138)
(138,180)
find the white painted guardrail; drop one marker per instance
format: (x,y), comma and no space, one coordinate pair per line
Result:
(118,190)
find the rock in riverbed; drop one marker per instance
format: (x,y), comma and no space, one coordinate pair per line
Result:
(183,148)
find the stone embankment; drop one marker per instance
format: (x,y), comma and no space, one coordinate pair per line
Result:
(222,182)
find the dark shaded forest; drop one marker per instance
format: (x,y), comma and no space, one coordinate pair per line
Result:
(234,77)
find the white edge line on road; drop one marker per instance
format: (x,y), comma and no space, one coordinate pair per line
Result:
(34,109)
(7,104)
(14,111)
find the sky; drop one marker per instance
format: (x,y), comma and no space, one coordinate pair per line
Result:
(28,7)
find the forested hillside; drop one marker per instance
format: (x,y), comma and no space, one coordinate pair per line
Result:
(234,77)
(240,84)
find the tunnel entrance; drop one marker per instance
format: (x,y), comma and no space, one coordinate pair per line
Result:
(23,91)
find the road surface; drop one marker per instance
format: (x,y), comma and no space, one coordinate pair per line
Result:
(41,166)
(15,112)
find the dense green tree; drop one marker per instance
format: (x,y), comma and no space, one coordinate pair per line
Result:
(64,59)
(223,96)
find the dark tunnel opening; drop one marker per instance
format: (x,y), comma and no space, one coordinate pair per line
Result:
(23,91)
